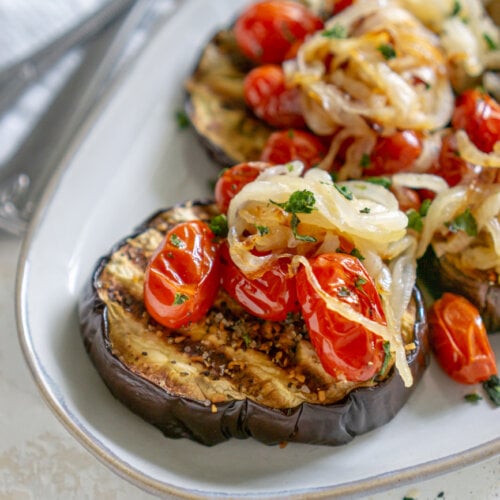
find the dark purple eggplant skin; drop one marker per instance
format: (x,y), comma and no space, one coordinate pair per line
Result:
(362,410)
(441,275)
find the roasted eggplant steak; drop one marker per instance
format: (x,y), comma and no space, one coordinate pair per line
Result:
(441,274)
(216,106)
(229,375)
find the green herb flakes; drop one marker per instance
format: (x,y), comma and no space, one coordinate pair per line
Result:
(180,298)
(176,241)
(490,42)
(414,220)
(301,202)
(387,50)
(182,119)
(219,226)
(463,222)
(381,181)
(387,358)
(492,388)
(262,230)
(456,8)
(472,397)
(344,191)
(337,31)
(365,161)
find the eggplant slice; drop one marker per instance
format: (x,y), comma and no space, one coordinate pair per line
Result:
(442,275)
(230,375)
(216,107)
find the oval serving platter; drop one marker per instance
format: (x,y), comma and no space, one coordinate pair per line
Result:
(128,161)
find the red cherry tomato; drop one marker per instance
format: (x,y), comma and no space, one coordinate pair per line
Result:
(266,94)
(459,340)
(450,166)
(272,296)
(345,348)
(182,277)
(284,146)
(479,115)
(395,153)
(268,30)
(232,180)
(340,5)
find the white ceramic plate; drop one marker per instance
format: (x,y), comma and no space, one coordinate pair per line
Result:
(130,161)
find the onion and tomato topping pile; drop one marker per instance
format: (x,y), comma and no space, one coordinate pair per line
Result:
(288,242)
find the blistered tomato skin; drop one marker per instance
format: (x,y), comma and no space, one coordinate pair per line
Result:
(232,180)
(459,340)
(267,95)
(271,297)
(479,115)
(395,153)
(284,146)
(269,31)
(346,348)
(182,277)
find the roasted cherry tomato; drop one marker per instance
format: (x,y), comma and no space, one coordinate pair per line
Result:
(459,340)
(268,31)
(266,94)
(183,276)
(479,115)
(284,146)
(232,180)
(340,5)
(345,348)
(450,166)
(395,153)
(272,296)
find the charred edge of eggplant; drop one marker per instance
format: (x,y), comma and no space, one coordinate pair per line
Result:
(362,410)
(218,150)
(441,275)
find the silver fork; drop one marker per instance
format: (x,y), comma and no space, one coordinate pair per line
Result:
(24,177)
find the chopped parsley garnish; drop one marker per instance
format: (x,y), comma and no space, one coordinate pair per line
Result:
(219,226)
(360,281)
(291,133)
(456,8)
(424,207)
(356,253)
(490,42)
(262,230)
(463,222)
(300,202)
(344,292)
(180,298)
(473,397)
(387,358)
(381,181)
(365,210)
(176,241)
(365,161)
(337,31)
(182,119)
(344,191)
(246,338)
(387,50)
(414,220)
(492,388)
